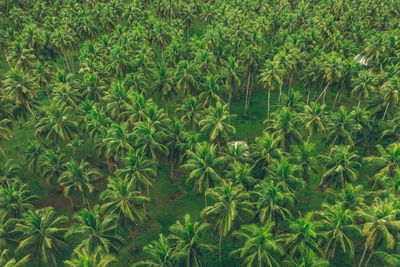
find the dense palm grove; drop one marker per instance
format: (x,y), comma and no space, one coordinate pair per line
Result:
(116,122)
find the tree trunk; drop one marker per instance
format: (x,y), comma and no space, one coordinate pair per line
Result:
(220,243)
(229,104)
(269,96)
(72,202)
(308,96)
(280,93)
(364,252)
(369,258)
(166,105)
(386,109)
(247,94)
(16,138)
(359,101)
(334,102)
(290,82)
(132,236)
(323,93)
(54,260)
(205,199)
(29,108)
(4,154)
(171,174)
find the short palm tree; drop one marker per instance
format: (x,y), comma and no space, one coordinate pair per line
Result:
(260,248)
(42,232)
(186,240)
(96,230)
(231,206)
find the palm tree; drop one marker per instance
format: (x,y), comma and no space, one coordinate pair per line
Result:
(364,85)
(236,153)
(390,95)
(283,125)
(65,94)
(160,254)
(191,111)
(121,199)
(216,124)
(51,166)
(341,167)
(118,141)
(175,145)
(339,228)
(260,248)
(149,140)
(116,100)
(341,128)
(7,262)
(162,84)
(160,36)
(186,78)
(270,78)
(84,257)
(388,161)
(303,235)
(313,118)
(21,88)
(232,205)
(251,57)
(78,177)
(42,234)
(57,124)
(186,238)
(272,203)
(34,152)
(381,225)
(240,174)
(285,173)
(22,57)
(303,154)
(63,40)
(231,76)
(307,259)
(210,91)
(264,150)
(96,230)
(15,199)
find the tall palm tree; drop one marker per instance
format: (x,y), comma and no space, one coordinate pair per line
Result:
(186,76)
(84,257)
(341,167)
(185,239)
(339,229)
(216,124)
(304,157)
(118,141)
(162,84)
(96,230)
(42,232)
(160,254)
(313,118)
(380,225)
(15,199)
(202,167)
(191,111)
(341,128)
(363,85)
(21,88)
(264,150)
(231,74)
(121,199)
(270,78)
(116,99)
(78,177)
(232,205)
(286,174)
(51,166)
(210,91)
(260,248)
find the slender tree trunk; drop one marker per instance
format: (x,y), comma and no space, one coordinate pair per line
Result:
(336,97)
(171,174)
(8,61)
(290,82)
(280,93)
(369,258)
(188,32)
(220,244)
(72,202)
(269,96)
(148,190)
(247,94)
(29,108)
(386,109)
(323,93)
(364,252)
(359,101)
(16,138)
(205,199)
(132,236)
(229,104)
(54,260)
(4,154)
(308,96)
(166,105)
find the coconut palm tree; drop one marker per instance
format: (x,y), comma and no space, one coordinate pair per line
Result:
(202,167)
(341,167)
(186,238)
(116,100)
(285,173)
(216,124)
(270,78)
(191,111)
(313,118)
(231,75)
(7,262)
(51,166)
(121,199)
(15,199)
(42,232)
(339,229)
(78,177)
(260,248)
(162,84)
(160,254)
(272,203)
(341,128)
(307,259)
(363,85)
(264,150)
(303,154)
(21,88)
(210,92)
(5,133)
(139,170)
(232,205)
(118,141)
(83,257)
(380,226)
(240,174)
(388,161)
(96,230)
